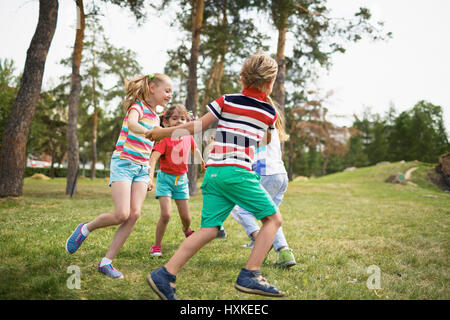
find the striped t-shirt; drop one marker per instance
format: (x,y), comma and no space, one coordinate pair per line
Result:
(243,120)
(136,146)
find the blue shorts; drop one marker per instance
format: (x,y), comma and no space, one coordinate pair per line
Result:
(127,170)
(170,185)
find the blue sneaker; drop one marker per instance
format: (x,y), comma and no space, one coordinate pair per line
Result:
(159,281)
(109,270)
(75,240)
(251,281)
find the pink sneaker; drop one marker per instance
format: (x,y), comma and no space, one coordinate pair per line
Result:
(155,251)
(187,234)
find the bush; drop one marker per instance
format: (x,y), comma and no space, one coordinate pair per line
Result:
(62,172)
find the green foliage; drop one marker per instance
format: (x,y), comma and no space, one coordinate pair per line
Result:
(49,126)
(356,155)
(137,8)
(415,134)
(9,84)
(227,36)
(104,69)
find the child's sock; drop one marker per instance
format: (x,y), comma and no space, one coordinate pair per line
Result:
(84,230)
(105,261)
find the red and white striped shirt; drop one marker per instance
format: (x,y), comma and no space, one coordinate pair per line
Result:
(243,121)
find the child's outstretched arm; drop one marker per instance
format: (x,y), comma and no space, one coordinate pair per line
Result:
(190,128)
(198,156)
(151,172)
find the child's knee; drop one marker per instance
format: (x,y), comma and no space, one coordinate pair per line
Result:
(121,216)
(165,216)
(275,219)
(134,214)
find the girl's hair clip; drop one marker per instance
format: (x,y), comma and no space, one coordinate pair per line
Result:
(151,76)
(190,115)
(162,114)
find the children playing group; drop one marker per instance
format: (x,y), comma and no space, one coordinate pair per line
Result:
(246,121)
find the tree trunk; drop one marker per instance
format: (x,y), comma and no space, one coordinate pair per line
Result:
(52,164)
(94,142)
(324,165)
(224,51)
(279,92)
(192,92)
(208,87)
(74,98)
(15,136)
(197,22)
(94,129)
(219,72)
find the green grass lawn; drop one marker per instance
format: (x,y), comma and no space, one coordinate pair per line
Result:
(337,225)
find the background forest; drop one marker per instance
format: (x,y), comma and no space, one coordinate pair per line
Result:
(77,120)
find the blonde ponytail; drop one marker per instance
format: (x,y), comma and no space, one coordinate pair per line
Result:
(139,88)
(258,70)
(279,123)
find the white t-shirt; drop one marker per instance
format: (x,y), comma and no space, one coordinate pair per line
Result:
(268,159)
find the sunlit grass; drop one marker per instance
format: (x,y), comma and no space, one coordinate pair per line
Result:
(338,226)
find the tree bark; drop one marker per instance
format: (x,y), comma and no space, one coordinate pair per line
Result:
(224,51)
(74,98)
(208,87)
(94,128)
(324,165)
(279,92)
(192,92)
(15,136)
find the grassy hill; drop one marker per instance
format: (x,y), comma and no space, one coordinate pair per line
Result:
(338,226)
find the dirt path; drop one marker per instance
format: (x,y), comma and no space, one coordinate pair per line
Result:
(408,173)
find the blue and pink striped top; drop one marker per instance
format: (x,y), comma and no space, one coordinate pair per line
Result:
(136,146)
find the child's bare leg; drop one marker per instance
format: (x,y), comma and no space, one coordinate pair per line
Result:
(121,194)
(185,216)
(189,247)
(264,241)
(138,194)
(165,204)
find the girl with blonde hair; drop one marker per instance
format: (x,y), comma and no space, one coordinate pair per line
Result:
(245,120)
(129,169)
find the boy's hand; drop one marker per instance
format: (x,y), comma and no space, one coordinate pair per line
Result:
(150,185)
(156,134)
(203,169)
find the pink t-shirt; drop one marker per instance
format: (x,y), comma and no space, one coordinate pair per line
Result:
(175,154)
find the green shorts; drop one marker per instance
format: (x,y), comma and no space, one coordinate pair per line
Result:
(227,186)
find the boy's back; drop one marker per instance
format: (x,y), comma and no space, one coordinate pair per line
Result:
(243,121)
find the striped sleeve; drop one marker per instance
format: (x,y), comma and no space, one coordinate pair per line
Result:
(272,126)
(138,108)
(216,107)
